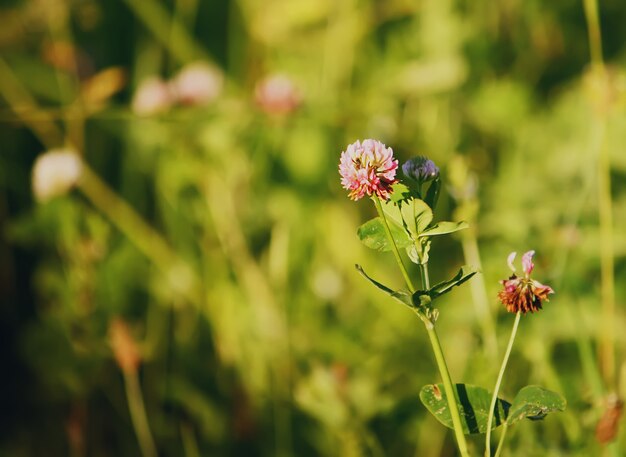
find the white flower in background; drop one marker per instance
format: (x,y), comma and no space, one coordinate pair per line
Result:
(277,94)
(197,84)
(55,172)
(152,96)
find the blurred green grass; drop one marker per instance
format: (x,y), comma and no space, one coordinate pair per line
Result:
(281,348)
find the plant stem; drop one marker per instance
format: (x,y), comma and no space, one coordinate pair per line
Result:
(180,275)
(432,335)
(505,427)
(423,267)
(138,414)
(169,30)
(496,389)
(605,211)
(480,298)
(448,388)
(593,30)
(394,248)
(25,107)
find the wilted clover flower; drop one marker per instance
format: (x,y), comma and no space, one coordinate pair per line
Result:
(368,168)
(421,169)
(523,294)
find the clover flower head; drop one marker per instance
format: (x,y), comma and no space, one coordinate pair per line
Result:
(368,168)
(421,169)
(523,294)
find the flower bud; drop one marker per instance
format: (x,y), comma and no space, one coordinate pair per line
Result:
(55,172)
(420,169)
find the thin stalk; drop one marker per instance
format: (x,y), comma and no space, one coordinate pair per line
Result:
(190,444)
(138,414)
(593,30)
(25,107)
(480,299)
(607,267)
(605,211)
(432,336)
(448,388)
(496,389)
(169,30)
(142,235)
(424,276)
(394,248)
(505,427)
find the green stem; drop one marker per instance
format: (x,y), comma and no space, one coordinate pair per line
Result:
(593,29)
(25,107)
(169,30)
(496,389)
(424,276)
(179,274)
(432,335)
(505,427)
(448,388)
(190,444)
(605,211)
(394,248)
(138,414)
(480,298)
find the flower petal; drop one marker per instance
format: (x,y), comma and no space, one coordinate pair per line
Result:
(510,259)
(527,262)
(368,168)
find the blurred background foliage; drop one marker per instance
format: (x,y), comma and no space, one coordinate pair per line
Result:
(216,234)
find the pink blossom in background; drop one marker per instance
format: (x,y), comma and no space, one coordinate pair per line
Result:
(277,94)
(368,168)
(197,84)
(153,96)
(523,294)
(55,172)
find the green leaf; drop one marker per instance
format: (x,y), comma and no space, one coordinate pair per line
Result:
(441,228)
(534,403)
(373,235)
(415,256)
(432,195)
(400,295)
(393,213)
(400,192)
(473,403)
(412,214)
(422,215)
(464,274)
